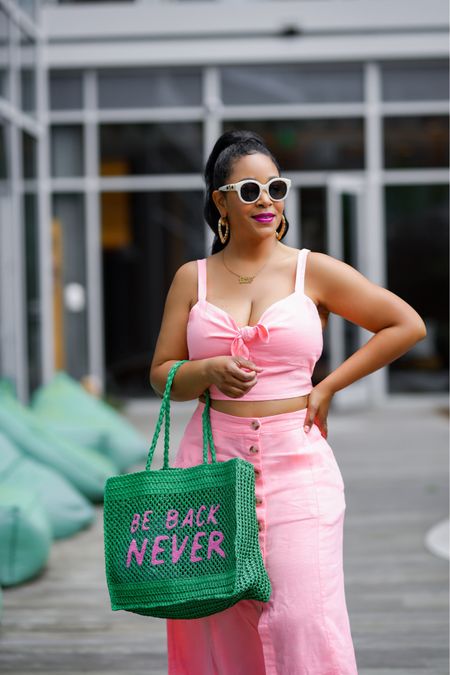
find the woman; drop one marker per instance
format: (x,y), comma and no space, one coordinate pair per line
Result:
(250,319)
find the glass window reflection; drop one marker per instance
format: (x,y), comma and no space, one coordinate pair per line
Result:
(146,236)
(135,149)
(415,81)
(29,156)
(311,145)
(416,142)
(292,83)
(28,73)
(4,45)
(33,293)
(28,6)
(65,91)
(69,293)
(4,151)
(66,150)
(149,87)
(417,238)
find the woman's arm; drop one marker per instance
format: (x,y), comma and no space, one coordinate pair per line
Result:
(346,292)
(192,378)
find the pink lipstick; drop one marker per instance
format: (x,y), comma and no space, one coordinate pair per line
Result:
(264,217)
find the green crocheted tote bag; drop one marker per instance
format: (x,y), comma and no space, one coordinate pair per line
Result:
(182,543)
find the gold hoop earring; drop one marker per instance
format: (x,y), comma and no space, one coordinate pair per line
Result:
(223,237)
(283,229)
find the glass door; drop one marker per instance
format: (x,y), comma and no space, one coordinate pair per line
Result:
(145,238)
(307,216)
(346,241)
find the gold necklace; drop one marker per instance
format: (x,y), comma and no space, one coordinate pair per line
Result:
(243,279)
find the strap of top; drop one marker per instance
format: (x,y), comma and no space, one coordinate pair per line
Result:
(201,271)
(301,266)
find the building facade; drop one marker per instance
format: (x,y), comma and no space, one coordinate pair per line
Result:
(352,98)
(24,242)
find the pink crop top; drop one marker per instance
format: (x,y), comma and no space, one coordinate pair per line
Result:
(287,341)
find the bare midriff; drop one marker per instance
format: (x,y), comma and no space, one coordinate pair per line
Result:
(258,408)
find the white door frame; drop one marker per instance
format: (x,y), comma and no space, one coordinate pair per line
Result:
(358,394)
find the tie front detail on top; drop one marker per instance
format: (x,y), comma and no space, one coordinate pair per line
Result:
(248,334)
(286,342)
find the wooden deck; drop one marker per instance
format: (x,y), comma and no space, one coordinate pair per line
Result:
(395,466)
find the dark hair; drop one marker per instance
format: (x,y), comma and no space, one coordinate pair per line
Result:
(227,149)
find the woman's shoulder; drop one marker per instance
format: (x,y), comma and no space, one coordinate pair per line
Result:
(187,269)
(328,277)
(183,288)
(323,263)
(320,267)
(185,278)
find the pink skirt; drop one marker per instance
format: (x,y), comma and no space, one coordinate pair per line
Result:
(304,629)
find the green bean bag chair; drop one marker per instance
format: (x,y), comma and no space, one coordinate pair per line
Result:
(25,535)
(88,438)
(84,468)
(71,410)
(66,508)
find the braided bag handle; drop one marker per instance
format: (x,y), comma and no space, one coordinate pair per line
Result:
(164,415)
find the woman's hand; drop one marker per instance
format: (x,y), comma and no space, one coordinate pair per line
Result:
(318,403)
(231,374)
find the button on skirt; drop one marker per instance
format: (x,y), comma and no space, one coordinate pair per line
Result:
(304,629)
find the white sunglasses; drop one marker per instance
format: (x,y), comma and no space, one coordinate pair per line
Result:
(249,191)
